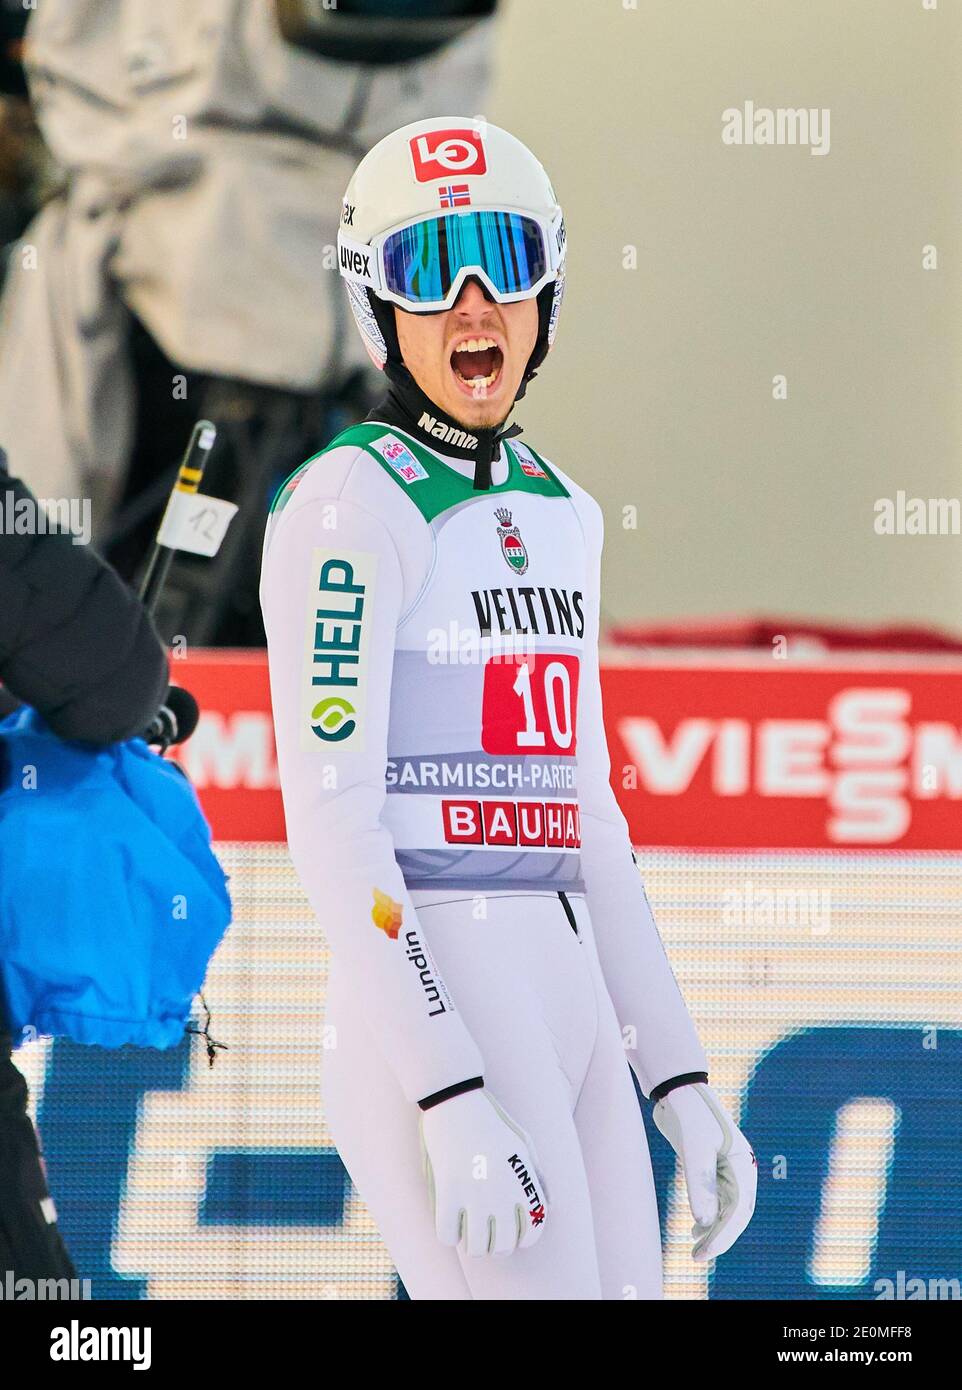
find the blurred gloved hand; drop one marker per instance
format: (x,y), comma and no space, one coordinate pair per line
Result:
(720,1168)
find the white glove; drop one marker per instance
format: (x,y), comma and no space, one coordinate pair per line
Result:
(720,1168)
(481,1176)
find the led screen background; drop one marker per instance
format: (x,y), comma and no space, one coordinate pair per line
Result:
(826,988)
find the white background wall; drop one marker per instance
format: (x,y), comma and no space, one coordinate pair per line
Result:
(752,262)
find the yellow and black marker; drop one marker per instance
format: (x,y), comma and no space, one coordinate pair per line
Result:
(189,478)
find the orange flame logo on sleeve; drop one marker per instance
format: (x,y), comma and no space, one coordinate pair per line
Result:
(386,914)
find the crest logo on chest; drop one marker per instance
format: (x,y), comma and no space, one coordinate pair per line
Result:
(512,546)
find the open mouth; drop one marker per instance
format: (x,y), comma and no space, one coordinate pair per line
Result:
(477,364)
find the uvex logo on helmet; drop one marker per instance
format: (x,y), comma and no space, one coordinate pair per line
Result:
(355,262)
(440,153)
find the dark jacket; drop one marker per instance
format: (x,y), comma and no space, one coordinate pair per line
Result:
(75,642)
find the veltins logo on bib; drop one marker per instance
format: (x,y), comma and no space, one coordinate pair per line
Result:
(336,649)
(512,546)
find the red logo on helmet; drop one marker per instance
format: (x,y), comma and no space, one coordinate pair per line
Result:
(440,153)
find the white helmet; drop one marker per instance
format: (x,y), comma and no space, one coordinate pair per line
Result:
(439,201)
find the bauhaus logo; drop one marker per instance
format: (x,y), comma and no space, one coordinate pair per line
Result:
(506,823)
(440,153)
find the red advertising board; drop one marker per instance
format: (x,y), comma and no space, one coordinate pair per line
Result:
(834,756)
(705,753)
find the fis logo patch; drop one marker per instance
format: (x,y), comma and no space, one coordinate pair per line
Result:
(512,546)
(528,463)
(336,649)
(399,457)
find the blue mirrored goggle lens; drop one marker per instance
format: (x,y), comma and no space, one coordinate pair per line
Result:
(422,262)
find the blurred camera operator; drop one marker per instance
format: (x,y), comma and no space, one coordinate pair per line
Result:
(183,263)
(77,645)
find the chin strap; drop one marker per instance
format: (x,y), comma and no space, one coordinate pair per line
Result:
(407,400)
(488,443)
(406,403)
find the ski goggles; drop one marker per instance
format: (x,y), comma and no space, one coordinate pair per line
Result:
(423,264)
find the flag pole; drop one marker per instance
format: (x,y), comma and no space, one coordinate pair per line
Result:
(188,479)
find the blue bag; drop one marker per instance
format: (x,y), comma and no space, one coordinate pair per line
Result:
(111,899)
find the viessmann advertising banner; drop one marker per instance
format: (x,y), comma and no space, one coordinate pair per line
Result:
(798,827)
(712,756)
